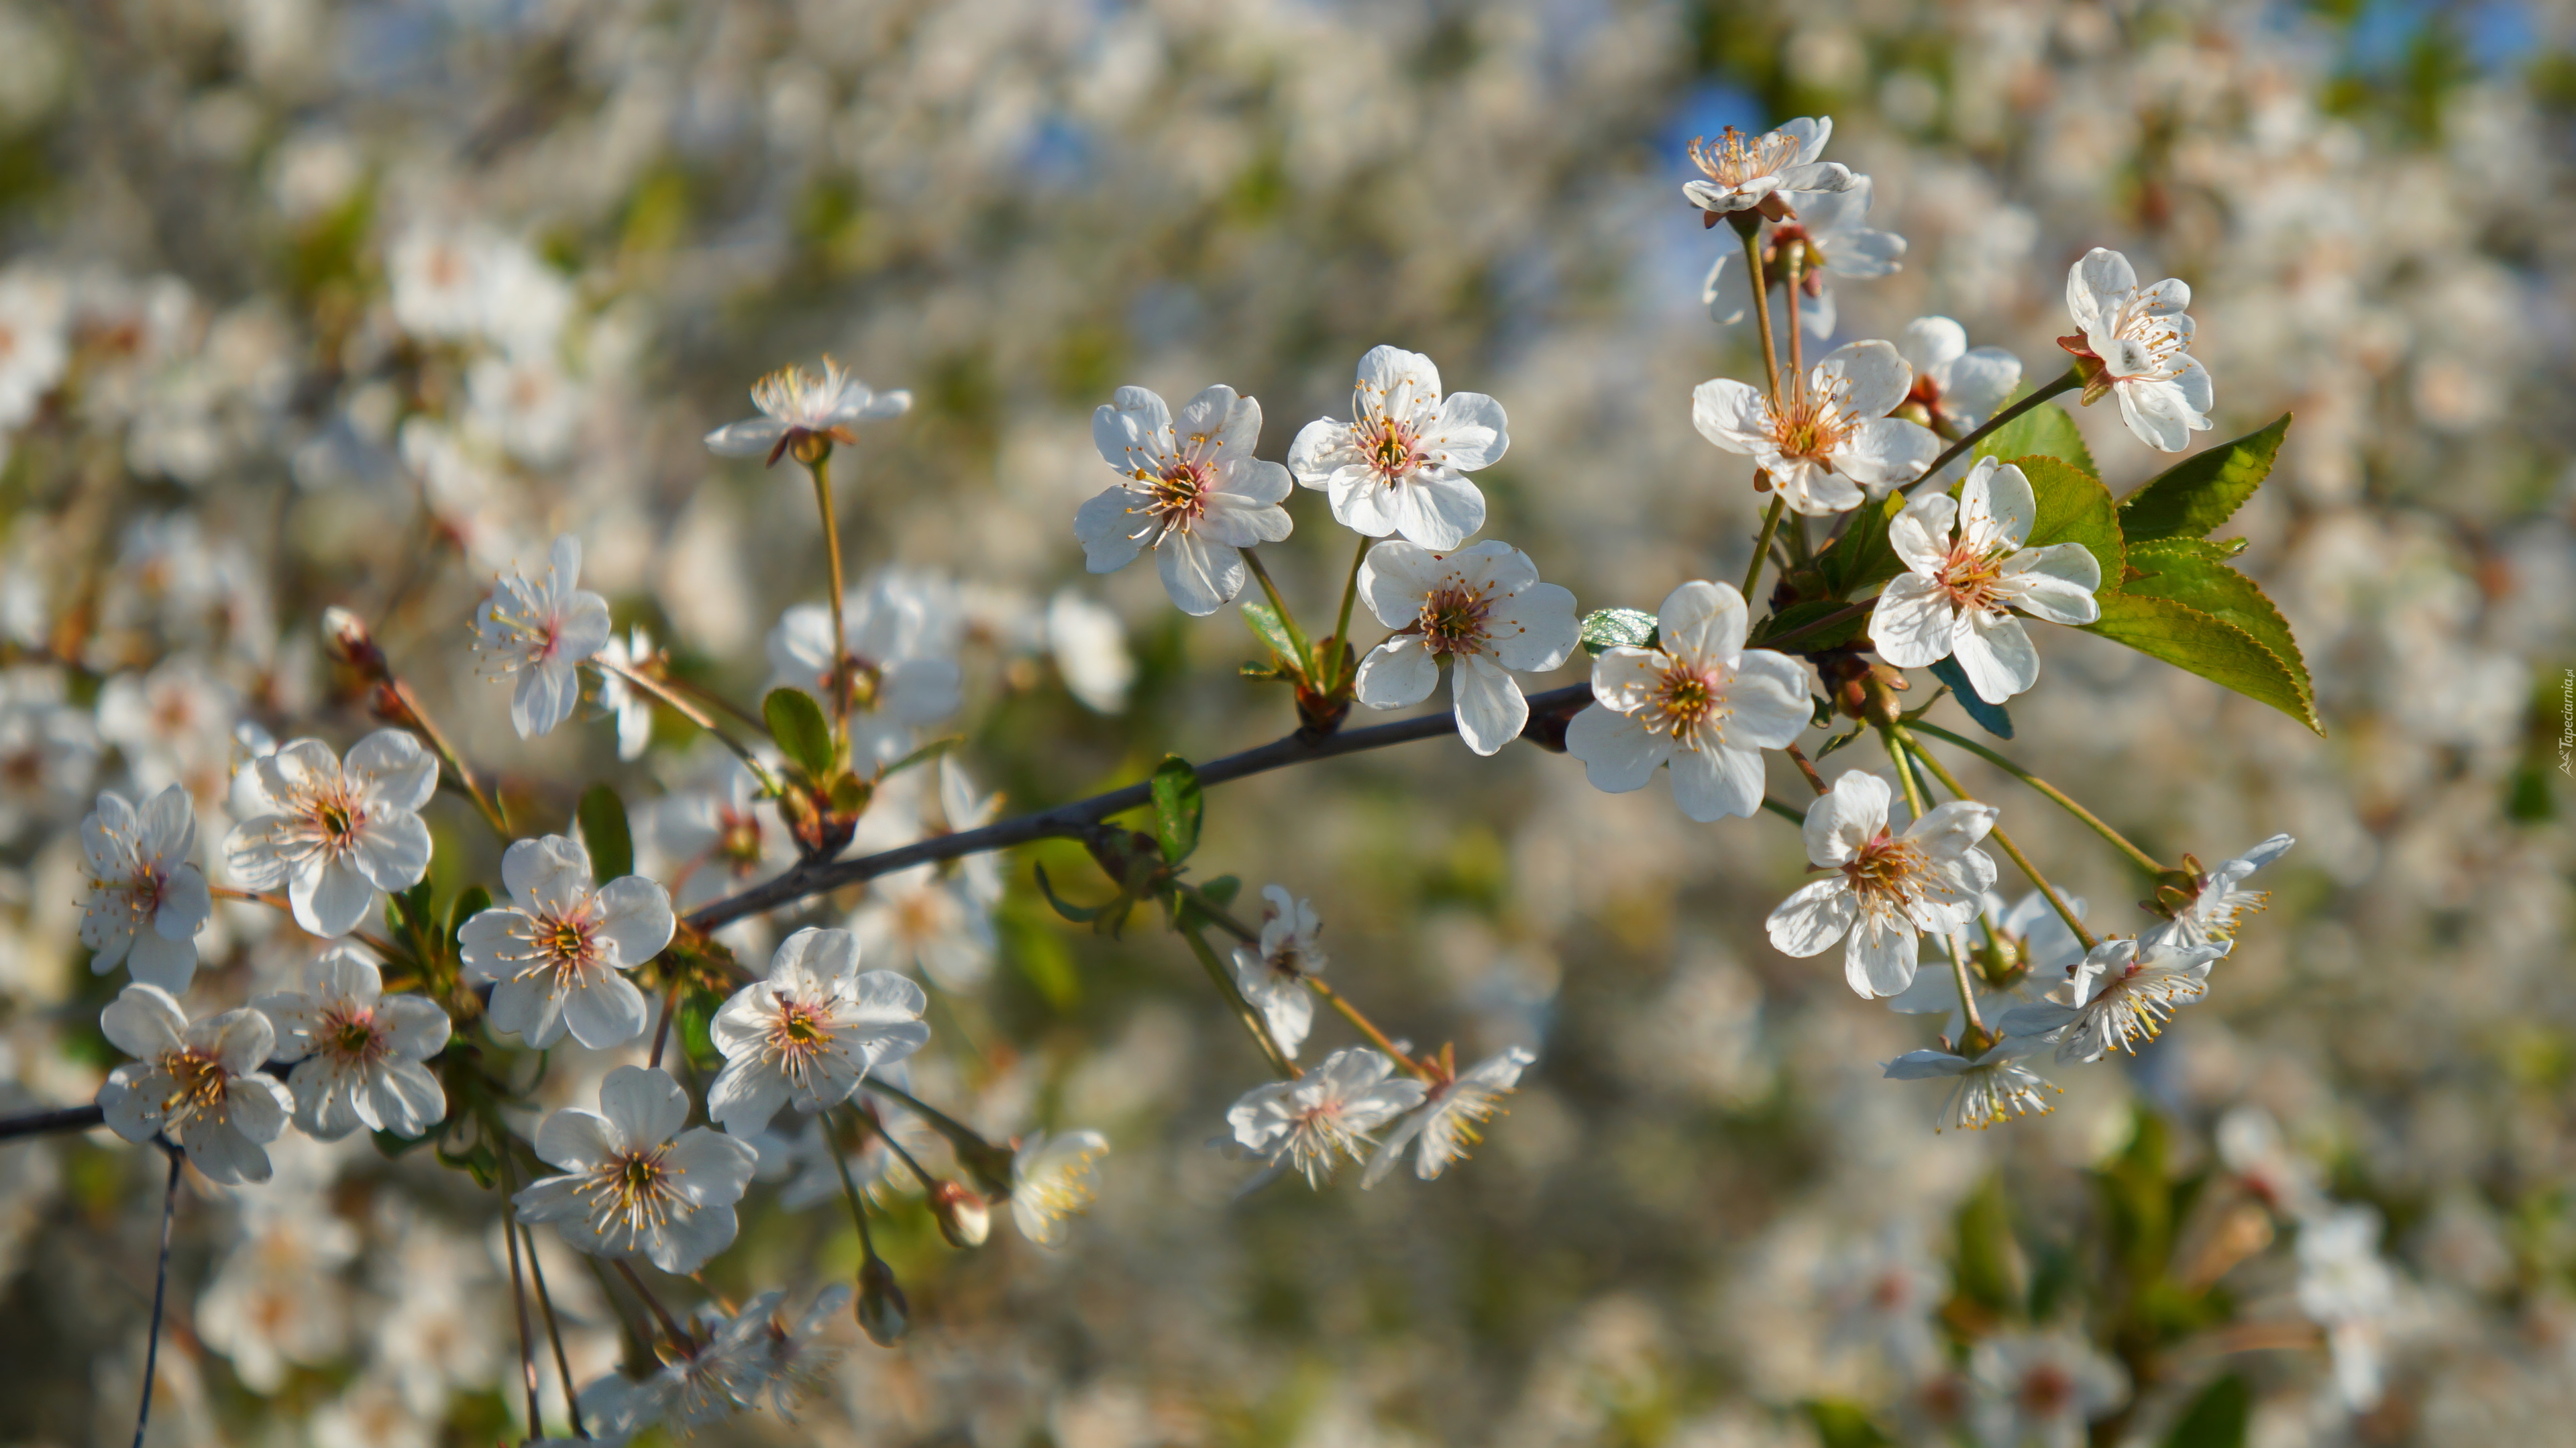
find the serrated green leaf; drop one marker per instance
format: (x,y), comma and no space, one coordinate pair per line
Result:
(796,721)
(1179,806)
(1862,558)
(2217,1418)
(1267,627)
(2047,430)
(2203,490)
(1799,615)
(1617,628)
(2206,645)
(2074,507)
(1990,717)
(2184,571)
(604,832)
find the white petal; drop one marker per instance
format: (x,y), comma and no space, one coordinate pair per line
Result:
(2056,583)
(332,899)
(643,1106)
(1472,432)
(1996,652)
(1920,532)
(1880,962)
(1110,535)
(1931,342)
(393,767)
(1884,451)
(605,1010)
(1878,377)
(1704,622)
(1812,919)
(1915,622)
(1200,577)
(1730,414)
(1491,710)
(1534,629)
(1717,782)
(1618,753)
(750,438)
(1845,818)
(1996,508)
(1438,510)
(1398,672)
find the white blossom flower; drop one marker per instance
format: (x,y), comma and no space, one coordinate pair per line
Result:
(805,413)
(720,1372)
(1967,570)
(174,725)
(1445,1127)
(1193,493)
(1831,445)
(2140,337)
(2218,902)
(1885,1295)
(48,752)
(2038,1390)
(1483,609)
(1400,465)
(543,633)
(1775,173)
(1272,972)
(792,1358)
(929,921)
(631,707)
(436,279)
(558,954)
(2249,1141)
(1957,387)
(358,1051)
(1089,644)
(197,1084)
(2120,993)
(1698,701)
(961,809)
(147,900)
(716,835)
(33,345)
(900,641)
(277,1298)
(808,1034)
(1991,1089)
(1052,1180)
(2035,947)
(635,1184)
(2345,1288)
(1330,1112)
(1831,238)
(1885,887)
(528,403)
(333,832)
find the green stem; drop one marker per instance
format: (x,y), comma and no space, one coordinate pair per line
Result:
(1243,1010)
(2118,841)
(1904,771)
(1784,812)
(1762,306)
(637,680)
(821,471)
(554,1332)
(2003,841)
(850,1190)
(1367,1027)
(1287,620)
(519,1294)
(1975,1039)
(491,809)
(1762,545)
(1342,622)
(927,1181)
(2066,383)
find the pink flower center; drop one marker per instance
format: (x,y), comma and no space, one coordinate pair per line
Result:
(1453,619)
(352,1036)
(1392,447)
(1812,423)
(1686,702)
(1972,578)
(797,1036)
(1888,874)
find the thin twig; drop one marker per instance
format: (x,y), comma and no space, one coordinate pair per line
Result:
(1762,545)
(1367,1027)
(2120,842)
(554,1331)
(519,1295)
(160,1295)
(2065,383)
(2002,841)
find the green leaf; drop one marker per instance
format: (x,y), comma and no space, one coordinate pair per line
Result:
(2205,645)
(1799,615)
(1267,627)
(1841,1424)
(393,1144)
(602,816)
(1222,889)
(2186,571)
(1990,717)
(1078,914)
(1617,628)
(2074,507)
(472,902)
(2203,490)
(2215,1419)
(923,755)
(2047,430)
(1862,557)
(796,721)
(1179,806)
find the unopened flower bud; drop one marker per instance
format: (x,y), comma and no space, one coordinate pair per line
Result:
(345,635)
(963,1218)
(882,1313)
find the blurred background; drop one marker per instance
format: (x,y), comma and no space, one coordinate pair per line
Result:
(240,385)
